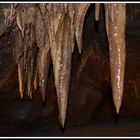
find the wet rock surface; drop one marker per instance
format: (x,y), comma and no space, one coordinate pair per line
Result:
(90,106)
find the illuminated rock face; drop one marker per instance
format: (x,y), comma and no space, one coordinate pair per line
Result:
(45,32)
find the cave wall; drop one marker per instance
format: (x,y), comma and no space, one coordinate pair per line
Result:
(90,96)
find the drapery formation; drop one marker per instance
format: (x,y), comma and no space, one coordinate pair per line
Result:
(48,31)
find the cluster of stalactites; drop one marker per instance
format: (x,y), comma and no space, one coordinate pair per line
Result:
(48,31)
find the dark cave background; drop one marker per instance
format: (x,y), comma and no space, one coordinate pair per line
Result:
(91,111)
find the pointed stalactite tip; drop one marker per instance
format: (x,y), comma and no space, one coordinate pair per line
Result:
(62,123)
(62,118)
(118,110)
(30,97)
(43,90)
(117,104)
(21,95)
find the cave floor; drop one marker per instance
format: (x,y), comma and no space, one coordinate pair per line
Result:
(24,119)
(99,128)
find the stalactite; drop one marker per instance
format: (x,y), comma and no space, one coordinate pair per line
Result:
(79,23)
(39,29)
(18,54)
(97,11)
(115,25)
(48,32)
(44,64)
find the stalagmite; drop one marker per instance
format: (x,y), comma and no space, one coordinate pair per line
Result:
(115,25)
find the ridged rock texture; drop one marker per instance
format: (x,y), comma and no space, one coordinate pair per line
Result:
(50,31)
